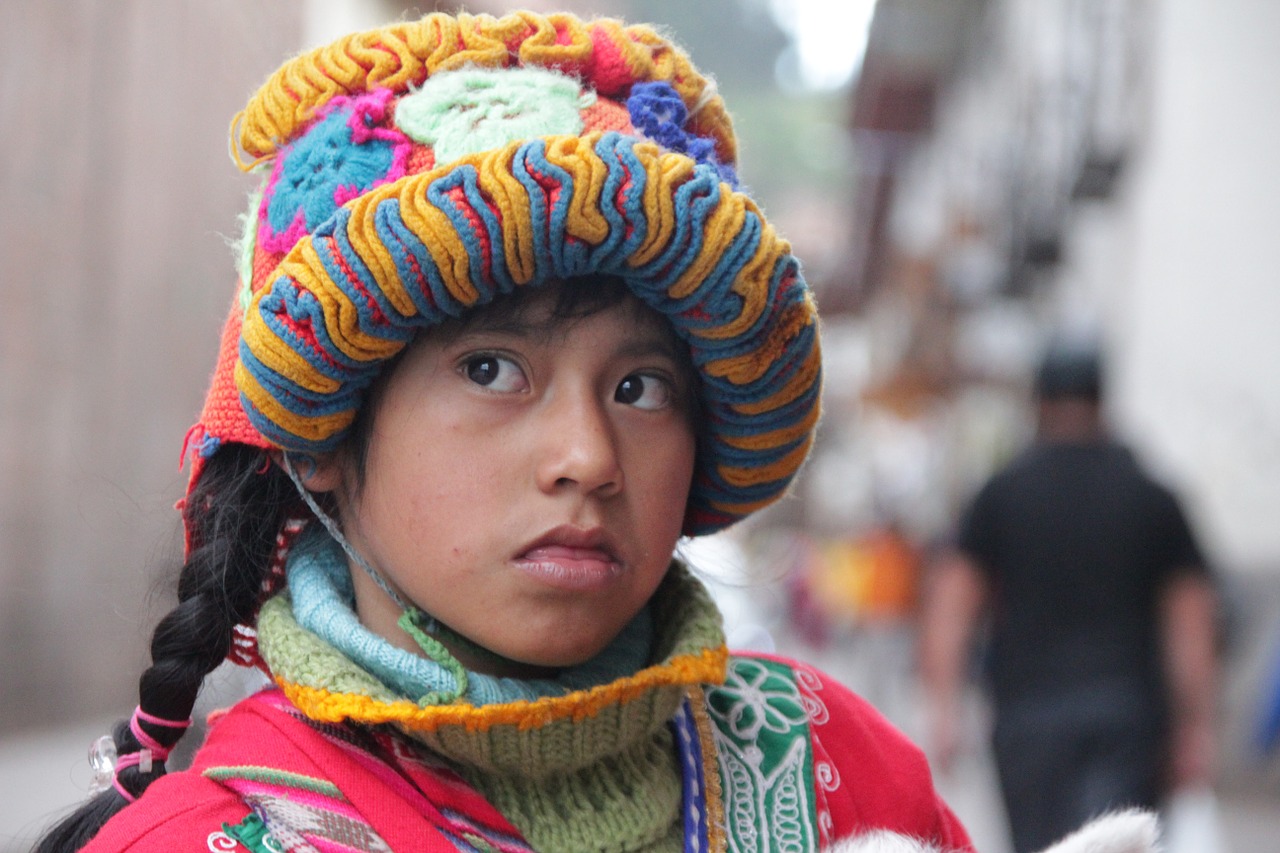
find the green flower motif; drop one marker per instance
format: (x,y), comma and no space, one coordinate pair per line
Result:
(478,109)
(754,698)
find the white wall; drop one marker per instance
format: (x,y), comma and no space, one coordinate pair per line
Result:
(1198,322)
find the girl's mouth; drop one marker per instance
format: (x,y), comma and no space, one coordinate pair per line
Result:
(571,559)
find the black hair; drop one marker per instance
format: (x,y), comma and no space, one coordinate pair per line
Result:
(234,513)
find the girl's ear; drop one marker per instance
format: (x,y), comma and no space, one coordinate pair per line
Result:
(317,472)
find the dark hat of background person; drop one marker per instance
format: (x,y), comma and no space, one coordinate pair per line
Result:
(1070,371)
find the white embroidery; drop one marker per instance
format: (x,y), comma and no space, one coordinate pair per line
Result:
(826,774)
(761,699)
(767,807)
(220,842)
(810,685)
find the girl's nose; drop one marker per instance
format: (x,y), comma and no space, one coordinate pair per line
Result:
(577,446)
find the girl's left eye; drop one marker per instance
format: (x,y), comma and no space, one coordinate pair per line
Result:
(495,373)
(644,392)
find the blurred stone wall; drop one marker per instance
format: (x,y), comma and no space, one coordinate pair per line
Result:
(118,198)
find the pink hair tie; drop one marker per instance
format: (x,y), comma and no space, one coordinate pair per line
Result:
(152,750)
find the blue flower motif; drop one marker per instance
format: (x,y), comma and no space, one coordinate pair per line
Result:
(658,111)
(330,163)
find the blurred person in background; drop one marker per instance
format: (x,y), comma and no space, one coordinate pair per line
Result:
(1102,660)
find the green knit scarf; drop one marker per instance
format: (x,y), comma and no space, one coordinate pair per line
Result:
(606,781)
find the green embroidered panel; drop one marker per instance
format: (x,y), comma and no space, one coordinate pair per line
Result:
(250,834)
(766,758)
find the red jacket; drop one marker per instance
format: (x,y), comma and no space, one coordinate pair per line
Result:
(865,774)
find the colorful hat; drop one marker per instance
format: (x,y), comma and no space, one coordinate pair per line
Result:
(412,173)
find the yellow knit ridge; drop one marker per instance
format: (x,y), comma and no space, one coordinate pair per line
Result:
(275,353)
(362,232)
(512,198)
(777,437)
(807,374)
(749,367)
(437,233)
(706,667)
(310,428)
(725,221)
(404,54)
(789,462)
(577,156)
(341,317)
(659,201)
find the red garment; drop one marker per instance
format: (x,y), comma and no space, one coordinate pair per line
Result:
(187,811)
(867,776)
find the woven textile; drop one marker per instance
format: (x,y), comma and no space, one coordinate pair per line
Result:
(305,812)
(417,172)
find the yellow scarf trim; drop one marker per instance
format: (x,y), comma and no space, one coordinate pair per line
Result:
(706,667)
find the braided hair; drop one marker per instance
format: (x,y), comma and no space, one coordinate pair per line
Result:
(235,513)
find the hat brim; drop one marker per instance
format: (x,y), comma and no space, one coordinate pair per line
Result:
(411,254)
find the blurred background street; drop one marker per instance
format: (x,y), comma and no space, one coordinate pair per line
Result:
(963,179)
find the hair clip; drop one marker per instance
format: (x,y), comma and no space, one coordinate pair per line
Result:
(102,761)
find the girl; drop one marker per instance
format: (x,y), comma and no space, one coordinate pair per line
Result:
(505,331)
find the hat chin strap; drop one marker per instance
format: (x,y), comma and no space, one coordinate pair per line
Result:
(412,621)
(335,531)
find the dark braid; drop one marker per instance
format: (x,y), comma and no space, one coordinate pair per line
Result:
(235,513)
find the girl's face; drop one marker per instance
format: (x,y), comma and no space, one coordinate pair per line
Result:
(524,483)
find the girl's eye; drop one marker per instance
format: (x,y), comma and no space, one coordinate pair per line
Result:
(644,392)
(495,373)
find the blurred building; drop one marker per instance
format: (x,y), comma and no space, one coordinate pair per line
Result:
(1037,168)
(1091,167)
(118,200)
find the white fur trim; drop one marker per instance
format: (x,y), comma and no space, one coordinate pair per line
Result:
(1131,831)
(883,841)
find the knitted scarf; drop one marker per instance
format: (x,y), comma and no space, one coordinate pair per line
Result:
(323,600)
(572,762)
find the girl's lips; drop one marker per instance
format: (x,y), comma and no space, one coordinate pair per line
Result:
(570,567)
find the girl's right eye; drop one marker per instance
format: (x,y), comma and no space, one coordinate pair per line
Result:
(495,373)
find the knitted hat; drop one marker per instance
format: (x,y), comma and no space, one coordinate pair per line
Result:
(415,172)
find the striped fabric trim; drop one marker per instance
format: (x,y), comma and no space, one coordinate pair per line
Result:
(701,794)
(301,812)
(306,813)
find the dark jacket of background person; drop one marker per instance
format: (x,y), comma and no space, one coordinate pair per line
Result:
(1101,609)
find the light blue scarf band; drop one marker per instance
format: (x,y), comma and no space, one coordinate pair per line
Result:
(323,603)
